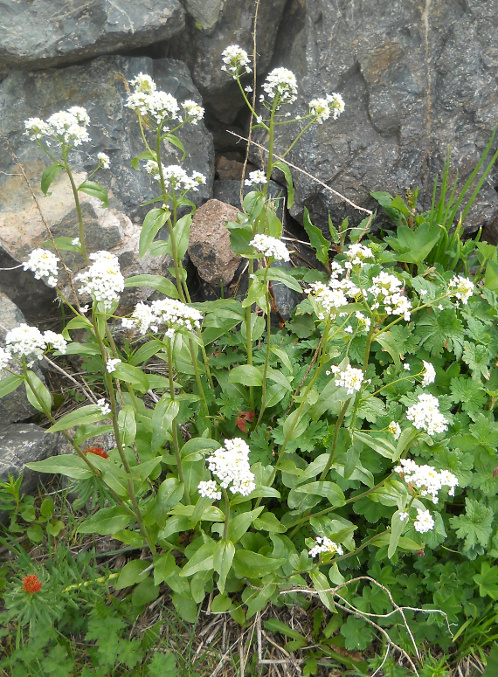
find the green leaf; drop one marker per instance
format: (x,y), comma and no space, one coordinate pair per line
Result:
(75,348)
(133,375)
(169,494)
(322,586)
(67,464)
(491,276)
(378,444)
(478,358)
(82,416)
(202,560)
(144,470)
(492,663)
(152,224)
(246,374)
(49,175)
(397,526)
(10,383)
(95,190)
(253,565)
(238,525)
(186,608)
(268,522)
(277,274)
(127,425)
(413,246)
(163,665)
(288,177)
(487,580)
(164,414)
(224,552)
(146,155)
(131,574)
(158,282)
(106,521)
(357,634)
(175,141)
(475,526)
(36,390)
(319,243)
(328,490)
(35,533)
(275,625)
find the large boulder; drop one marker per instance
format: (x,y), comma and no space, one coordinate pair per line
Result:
(101,87)
(14,406)
(415,76)
(43,33)
(212,25)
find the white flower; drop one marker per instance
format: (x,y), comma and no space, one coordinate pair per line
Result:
(5,358)
(175,177)
(104,160)
(209,489)
(348,330)
(387,290)
(424,521)
(83,309)
(76,242)
(406,366)
(426,479)
(57,341)
(248,89)
(230,464)
(403,516)
(425,415)
(43,263)
(270,246)
(256,177)
(143,83)
(68,127)
(105,409)
(103,280)
(463,288)
(394,429)
(423,292)
(170,312)
(193,111)
(324,108)
(281,85)
(110,365)
(325,545)
(358,253)
(363,321)
(350,378)
(429,374)
(235,61)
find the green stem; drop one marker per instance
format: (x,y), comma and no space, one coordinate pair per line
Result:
(81,225)
(227,513)
(174,426)
(338,424)
(298,137)
(268,344)
(200,387)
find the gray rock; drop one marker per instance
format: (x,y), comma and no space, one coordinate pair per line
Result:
(21,444)
(415,76)
(213,25)
(14,406)
(41,34)
(100,86)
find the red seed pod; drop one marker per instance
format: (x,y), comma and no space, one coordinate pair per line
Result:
(98,451)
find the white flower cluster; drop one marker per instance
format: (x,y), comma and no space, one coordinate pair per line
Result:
(270,246)
(325,545)
(394,429)
(193,111)
(257,177)
(461,288)
(175,177)
(426,478)
(209,489)
(68,127)
(387,290)
(235,61)
(29,342)
(425,415)
(357,254)
(170,312)
(146,100)
(104,160)
(332,105)
(424,521)
(363,321)
(281,84)
(230,464)
(110,365)
(350,378)
(429,374)
(43,264)
(103,280)
(105,409)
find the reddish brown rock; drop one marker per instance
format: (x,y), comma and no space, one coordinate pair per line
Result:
(209,247)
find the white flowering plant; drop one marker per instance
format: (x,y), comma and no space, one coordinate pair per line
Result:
(267,459)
